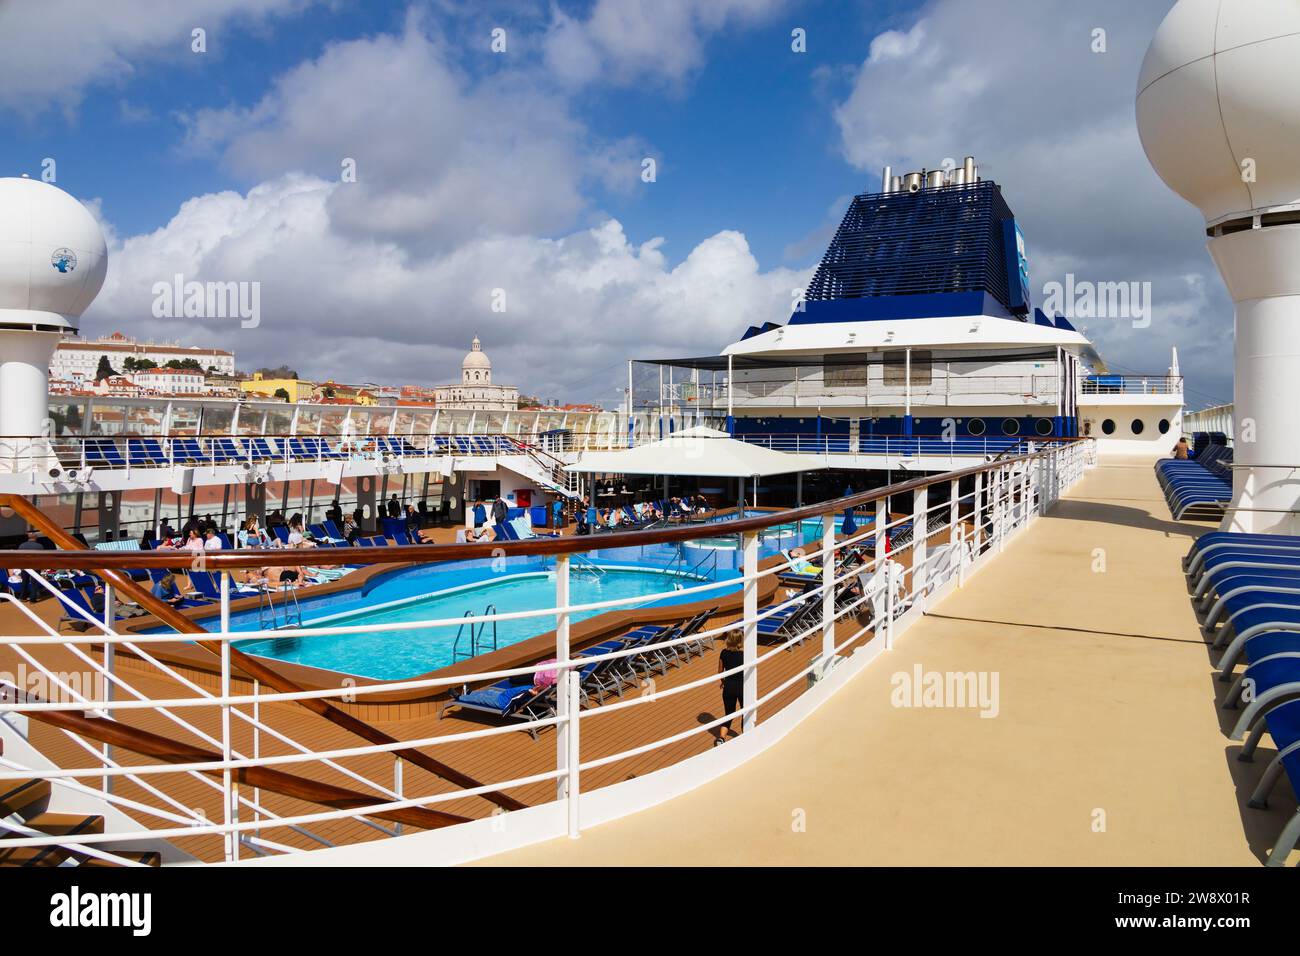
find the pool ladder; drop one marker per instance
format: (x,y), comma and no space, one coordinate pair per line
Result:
(476,629)
(583,563)
(268,616)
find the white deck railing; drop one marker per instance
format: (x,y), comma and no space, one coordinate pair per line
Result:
(852,616)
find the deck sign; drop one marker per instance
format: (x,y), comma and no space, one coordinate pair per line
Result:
(75,909)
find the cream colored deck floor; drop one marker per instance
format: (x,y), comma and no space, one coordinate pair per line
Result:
(1107,747)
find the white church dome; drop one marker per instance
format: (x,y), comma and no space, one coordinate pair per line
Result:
(52,256)
(1218,101)
(476,358)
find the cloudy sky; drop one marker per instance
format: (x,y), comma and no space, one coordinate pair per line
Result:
(521,169)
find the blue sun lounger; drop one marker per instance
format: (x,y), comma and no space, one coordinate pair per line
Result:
(145,451)
(225,451)
(188,451)
(1283,725)
(74,599)
(260,449)
(103,453)
(507,699)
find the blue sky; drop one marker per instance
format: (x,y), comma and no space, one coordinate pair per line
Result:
(749,142)
(520,170)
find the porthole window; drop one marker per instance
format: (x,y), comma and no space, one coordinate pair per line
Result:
(975,426)
(1043,426)
(1108,427)
(1010,426)
(1137,426)
(1164,425)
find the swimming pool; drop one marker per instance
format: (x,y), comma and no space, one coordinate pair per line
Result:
(777,538)
(405,652)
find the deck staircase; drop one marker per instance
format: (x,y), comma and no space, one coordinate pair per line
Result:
(547,471)
(25,812)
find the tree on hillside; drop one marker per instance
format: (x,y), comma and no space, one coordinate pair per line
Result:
(282,394)
(133,364)
(105,370)
(185,363)
(280,371)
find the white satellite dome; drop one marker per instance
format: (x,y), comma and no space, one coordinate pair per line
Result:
(1219,93)
(52,257)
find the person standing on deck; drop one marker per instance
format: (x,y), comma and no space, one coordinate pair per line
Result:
(733,685)
(499,511)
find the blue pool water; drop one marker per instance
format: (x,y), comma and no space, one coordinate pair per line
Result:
(448,591)
(405,596)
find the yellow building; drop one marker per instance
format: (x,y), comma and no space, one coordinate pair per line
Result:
(297,389)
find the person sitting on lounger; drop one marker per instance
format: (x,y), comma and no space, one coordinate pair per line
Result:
(252,536)
(193,542)
(166,589)
(1181,451)
(350,530)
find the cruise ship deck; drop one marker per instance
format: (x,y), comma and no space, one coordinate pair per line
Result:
(1108,748)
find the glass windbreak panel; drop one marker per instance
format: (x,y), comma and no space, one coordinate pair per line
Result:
(108,418)
(453,422)
(218,417)
(490,423)
(146,418)
(405,422)
(333,421)
(279,419)
(309,419)
(186,418)
(379,421)
(67,417)
(252,418)
(423,421)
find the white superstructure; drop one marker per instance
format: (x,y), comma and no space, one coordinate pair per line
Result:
(1217,116)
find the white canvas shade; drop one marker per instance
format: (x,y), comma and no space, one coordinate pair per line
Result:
(700,452)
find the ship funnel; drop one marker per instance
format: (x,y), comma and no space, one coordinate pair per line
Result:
(929,179)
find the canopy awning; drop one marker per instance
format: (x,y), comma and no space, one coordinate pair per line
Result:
(702,452)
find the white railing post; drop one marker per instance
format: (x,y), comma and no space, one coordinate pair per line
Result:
(562,729)
(889,605)
(1000,508)
(882,519)
(110,649)
(397,786)
(227,792)
(920,541)
(257,753)
(750,697)
(828,589)
(953,510)
(573,762)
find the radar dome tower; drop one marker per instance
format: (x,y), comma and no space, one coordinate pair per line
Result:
(52,264)
(1217,104)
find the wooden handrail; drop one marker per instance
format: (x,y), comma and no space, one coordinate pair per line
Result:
(434,553)
(251,666)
